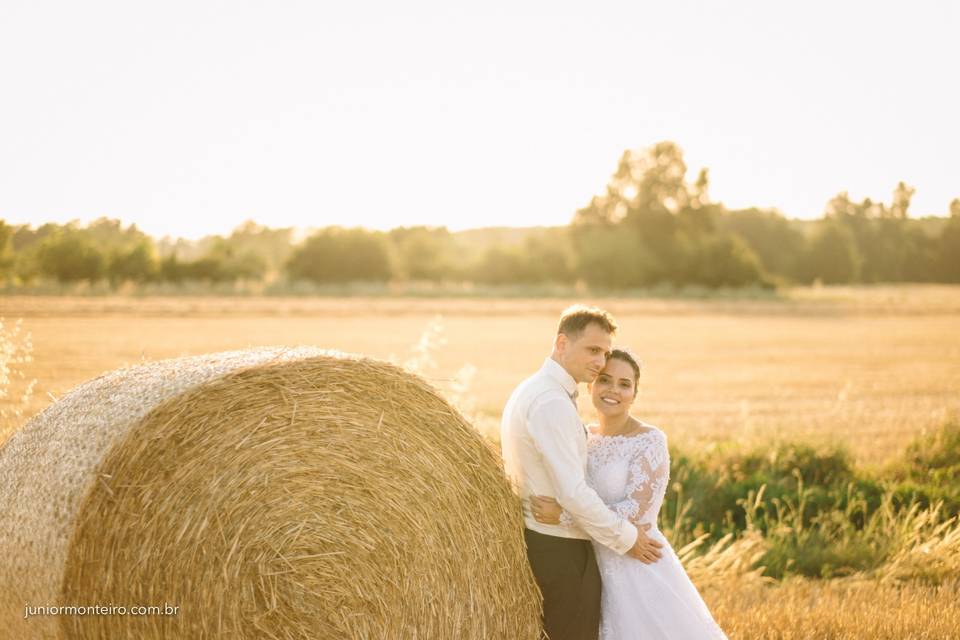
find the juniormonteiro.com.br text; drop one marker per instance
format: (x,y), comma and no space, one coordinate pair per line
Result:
(101,610)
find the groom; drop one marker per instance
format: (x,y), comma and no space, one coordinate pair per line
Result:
(545,453)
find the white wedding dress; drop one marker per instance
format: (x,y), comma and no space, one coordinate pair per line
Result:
(642,601)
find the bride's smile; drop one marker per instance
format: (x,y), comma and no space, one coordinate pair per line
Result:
(613,394)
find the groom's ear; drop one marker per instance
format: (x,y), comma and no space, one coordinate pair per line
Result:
(560,342)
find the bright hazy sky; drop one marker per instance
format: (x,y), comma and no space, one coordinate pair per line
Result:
(188,117)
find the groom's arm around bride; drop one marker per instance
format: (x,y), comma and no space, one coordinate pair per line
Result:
(555,431)
(545,452)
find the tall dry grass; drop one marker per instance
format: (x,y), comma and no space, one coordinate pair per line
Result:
(916,594)
(838,609)
(16,390)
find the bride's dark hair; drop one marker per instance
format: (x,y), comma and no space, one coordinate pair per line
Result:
(624,355)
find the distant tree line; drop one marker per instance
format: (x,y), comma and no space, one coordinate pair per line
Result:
(651,226)
(105,250)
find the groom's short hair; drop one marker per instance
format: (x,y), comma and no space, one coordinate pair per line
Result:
(575,319)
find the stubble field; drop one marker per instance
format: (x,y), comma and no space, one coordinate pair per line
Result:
(869,369)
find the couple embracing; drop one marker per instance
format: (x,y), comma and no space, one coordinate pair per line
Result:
(591,496)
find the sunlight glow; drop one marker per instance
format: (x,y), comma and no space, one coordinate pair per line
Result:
(190,117)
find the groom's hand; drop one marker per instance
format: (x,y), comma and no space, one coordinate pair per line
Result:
(645,549)
(545,509)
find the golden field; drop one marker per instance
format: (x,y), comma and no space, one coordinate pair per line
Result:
(837,610)
(869,368)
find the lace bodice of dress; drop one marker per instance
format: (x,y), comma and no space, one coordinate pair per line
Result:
(630,473)
(657,600)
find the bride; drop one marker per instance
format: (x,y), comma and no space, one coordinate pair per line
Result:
(628,466)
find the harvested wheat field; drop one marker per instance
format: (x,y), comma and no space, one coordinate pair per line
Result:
(837,610)
(265,493)
(869,368)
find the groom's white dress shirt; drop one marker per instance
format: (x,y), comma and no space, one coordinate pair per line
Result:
(544,447)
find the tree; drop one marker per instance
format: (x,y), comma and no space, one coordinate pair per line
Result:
(548,257)
(233,263)
(137,264)
(901,200)
(776,242)
(542,258)
(69,257)
(335,255)
(661,227)
(608,258)
(889,252)
(424,253)
(646,181)
(109,235)
(220,264)
(503,265)
(832,255)
(26,243)
(948,246)
(724,261)
(6,250)
(254,244)
(206,269)
(172,270)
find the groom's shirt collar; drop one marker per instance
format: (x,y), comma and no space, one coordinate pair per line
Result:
(555,370)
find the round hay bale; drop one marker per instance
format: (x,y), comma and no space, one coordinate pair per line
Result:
(268,493)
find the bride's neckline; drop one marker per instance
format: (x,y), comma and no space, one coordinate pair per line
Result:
(649,429)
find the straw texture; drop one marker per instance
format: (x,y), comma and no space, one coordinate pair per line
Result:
(269,493)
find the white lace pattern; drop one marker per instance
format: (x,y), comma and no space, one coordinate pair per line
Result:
(631,474)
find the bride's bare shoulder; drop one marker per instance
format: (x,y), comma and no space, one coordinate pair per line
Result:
(642,427)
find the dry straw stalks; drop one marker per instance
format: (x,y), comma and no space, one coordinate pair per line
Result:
(270,493)
(16,350)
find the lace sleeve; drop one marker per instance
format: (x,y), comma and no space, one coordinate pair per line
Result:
(648,474)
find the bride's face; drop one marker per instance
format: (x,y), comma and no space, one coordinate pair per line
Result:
(614,390)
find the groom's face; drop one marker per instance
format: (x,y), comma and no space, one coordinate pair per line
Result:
(584,355)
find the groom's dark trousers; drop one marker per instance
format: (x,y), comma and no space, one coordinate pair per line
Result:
(567,574)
